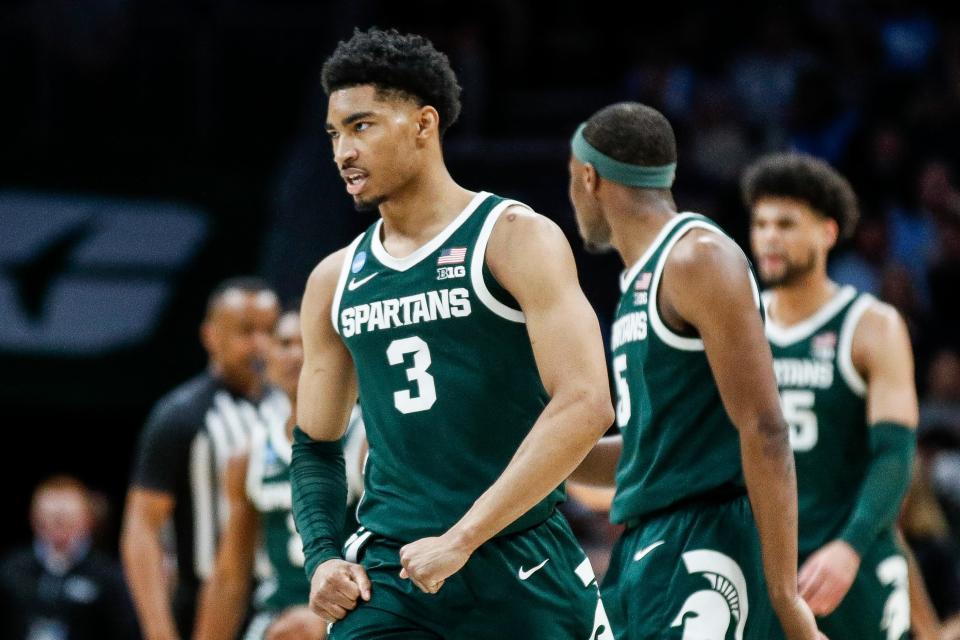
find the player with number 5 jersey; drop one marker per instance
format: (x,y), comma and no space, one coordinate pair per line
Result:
(845,371)
(458,319)
(702,462)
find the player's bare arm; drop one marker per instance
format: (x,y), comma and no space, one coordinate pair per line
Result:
(530,257)
(599,468)
(883,357)
(145,515)
(326,395)
(222,603)
(707,288)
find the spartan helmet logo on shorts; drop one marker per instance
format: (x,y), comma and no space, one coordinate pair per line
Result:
(707,614)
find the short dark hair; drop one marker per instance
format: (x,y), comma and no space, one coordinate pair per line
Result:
(633,133)
(244,284)
(392,62)
(807,179)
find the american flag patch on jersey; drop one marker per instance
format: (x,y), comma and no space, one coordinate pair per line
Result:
(456,255)
(643,282)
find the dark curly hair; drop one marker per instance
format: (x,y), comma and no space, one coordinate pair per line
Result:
(804,178)
(633,133)
(405,64)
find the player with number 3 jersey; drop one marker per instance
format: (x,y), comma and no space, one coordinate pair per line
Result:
(458,319)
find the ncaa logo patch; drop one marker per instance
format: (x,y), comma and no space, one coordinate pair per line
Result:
(358,261)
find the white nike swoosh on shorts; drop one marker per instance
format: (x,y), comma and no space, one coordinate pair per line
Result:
(523,575)
(640,554)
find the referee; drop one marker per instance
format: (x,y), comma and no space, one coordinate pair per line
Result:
(187,440)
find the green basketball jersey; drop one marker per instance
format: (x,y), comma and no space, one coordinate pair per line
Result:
(283,583)
(823,399)
(678,442)
(448,382)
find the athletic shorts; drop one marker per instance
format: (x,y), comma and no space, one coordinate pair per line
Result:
(536,584)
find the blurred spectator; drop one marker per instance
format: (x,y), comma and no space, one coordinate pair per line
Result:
(61,588)
(862,264)
(940,408)
(912,231)
(944,276)
(764,77)
(927,529)
(821,124)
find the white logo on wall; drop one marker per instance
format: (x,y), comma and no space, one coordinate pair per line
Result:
(896,610)
(708,613)
(83,276)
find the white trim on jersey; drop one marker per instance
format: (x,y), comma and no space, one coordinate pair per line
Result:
(785,336)
(629,274)
(230,411)
(273,497)
(685,343)
(352,550)
(204,529)
(845,357)
(402,264)
(342,281)
(277,430)
(476,266)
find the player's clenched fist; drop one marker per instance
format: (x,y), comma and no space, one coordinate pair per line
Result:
(335,587)
(430,561)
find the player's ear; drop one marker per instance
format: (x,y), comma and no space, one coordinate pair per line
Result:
(831,233)
(591,181)
(428,123)
(208,336)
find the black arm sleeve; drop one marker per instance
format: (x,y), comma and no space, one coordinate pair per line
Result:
(318,482)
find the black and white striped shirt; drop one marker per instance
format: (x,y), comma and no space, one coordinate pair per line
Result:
(183,450)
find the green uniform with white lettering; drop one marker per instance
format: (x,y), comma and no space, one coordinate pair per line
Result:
(449,388)
(688,564)
(282,581)
(824,401)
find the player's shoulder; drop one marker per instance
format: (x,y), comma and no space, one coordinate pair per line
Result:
(325,277)
(520,231)
(879,321)
(704,252)
(186,403)
(327,271)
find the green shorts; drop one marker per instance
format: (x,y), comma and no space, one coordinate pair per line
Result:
(536,584)
(877,607)
(693,573)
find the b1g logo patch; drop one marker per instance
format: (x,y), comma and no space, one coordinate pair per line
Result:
(445,273)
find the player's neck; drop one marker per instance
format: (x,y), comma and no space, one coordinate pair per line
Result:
(634,226)
(802,298)
(421,209)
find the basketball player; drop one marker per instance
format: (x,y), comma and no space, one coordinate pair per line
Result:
(697,406)
(844,366)
(479,364)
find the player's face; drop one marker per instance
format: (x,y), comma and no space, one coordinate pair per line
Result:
(789,239)
(61,518)
(238,335)
(286,354)
(593,227)
(375,142)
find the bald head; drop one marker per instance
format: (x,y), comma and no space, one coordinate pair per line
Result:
(241,315)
